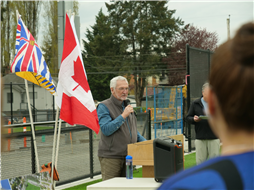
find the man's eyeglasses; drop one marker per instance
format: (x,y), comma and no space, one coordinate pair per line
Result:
(122,89)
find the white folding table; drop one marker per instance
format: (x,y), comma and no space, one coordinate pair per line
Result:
(121,183)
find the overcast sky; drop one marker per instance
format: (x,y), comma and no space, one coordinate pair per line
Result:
(211,15)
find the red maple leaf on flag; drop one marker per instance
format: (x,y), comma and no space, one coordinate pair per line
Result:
(80,76)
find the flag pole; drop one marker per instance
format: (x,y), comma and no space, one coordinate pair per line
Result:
(57,146)
(58,141)
(54,144)
(30,114)
(32,127)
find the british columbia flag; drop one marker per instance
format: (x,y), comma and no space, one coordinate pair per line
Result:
(29,62)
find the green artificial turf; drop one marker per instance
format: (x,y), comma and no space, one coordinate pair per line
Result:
(83,186)
(137,172)
(20,129)
(189,161)
(32,187)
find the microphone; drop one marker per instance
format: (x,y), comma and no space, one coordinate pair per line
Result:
(126,102)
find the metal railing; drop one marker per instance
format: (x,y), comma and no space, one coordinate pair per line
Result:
(77,157)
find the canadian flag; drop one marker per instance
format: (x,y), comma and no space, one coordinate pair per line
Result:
(74,96)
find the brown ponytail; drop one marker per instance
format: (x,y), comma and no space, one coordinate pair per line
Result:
(232,78)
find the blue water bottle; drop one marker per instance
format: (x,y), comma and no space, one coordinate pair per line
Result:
(129,168)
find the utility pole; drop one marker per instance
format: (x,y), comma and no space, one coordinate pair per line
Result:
(63,6)
(228,26)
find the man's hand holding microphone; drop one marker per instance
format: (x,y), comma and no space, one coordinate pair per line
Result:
(128,109)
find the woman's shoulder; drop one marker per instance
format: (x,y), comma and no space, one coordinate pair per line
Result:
(216,173)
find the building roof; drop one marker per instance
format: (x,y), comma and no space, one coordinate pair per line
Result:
(12,77)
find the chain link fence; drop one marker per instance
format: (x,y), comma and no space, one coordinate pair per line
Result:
(77,157)
(198,69)
(166,105)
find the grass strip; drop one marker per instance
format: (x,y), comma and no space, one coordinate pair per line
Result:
(20,129)
(32,187)
(83,186)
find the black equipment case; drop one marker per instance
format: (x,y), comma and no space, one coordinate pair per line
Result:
(168,157)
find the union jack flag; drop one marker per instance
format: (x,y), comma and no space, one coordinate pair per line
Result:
(29,62)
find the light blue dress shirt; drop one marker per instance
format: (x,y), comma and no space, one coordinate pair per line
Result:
(108,125)
(205,106)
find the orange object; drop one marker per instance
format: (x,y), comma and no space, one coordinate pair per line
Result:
(24,121)
(9,144)
(9,140)
(47,168)
(24,130)
(25,142)
(70,136)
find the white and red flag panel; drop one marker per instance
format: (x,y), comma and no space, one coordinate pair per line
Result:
(74,96)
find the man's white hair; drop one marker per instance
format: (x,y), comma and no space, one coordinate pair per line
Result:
(204,86)
(115,79)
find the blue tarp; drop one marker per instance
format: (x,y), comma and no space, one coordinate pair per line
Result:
(5,184)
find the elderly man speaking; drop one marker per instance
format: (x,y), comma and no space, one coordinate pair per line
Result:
(118,129)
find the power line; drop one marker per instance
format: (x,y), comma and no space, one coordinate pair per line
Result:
(124,55)
(140,71)
(133,66)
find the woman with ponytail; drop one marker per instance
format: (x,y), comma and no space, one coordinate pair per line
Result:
(231,116)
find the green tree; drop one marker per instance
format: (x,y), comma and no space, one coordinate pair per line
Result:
(75,7)
(50,37)
(2,10)
(142,32)
(99,55)
(6,35)
(176,60)
(29,11)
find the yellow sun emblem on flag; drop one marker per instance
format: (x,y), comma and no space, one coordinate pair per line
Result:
(31,42)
